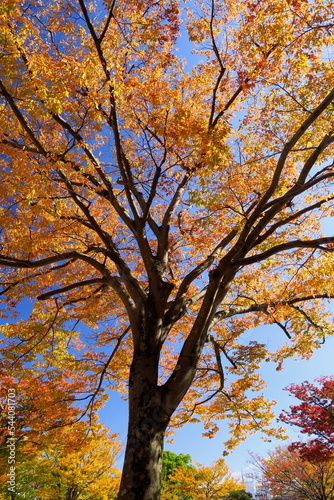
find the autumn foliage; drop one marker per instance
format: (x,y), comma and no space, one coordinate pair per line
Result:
(153,213)
(200,483)
(315,417)
(184,480)
(56,455)
(285,474)
(72,463)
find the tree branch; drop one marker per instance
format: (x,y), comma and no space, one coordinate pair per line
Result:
(217,349)
(317,244)
(106,366)
(222,67)
(291,218)
(23,122)
(108,20)
(281,161)
(58,291)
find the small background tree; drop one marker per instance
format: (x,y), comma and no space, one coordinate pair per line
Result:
(314,416)
(287,475)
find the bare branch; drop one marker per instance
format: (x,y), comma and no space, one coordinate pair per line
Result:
(96,39)
(163,239)
(317,244)
(264,307)
(291,218)
(58,291)
(178,307)
(105,368)
(222,67)
(282,327)
(108,20)
(229,103)
(307,317)
(326,141)
(217,349)
(29,264)
(236,310)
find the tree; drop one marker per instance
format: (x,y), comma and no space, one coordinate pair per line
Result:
(171,461)
(34,408)
(170,464)
(75,463)
(314,416)
(51,459)
(287,475)
(168,210)
(200,483)
(239,495)
(37,399)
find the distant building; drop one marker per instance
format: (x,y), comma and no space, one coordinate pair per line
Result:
(261,492)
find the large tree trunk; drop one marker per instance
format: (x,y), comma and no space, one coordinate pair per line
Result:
(141,478)
(148,419)
(150,405)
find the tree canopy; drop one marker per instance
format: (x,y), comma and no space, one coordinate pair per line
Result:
(239,495)
(152,214)
(172,461)
(187,481)
(286,474)
(75,462)
(315,417)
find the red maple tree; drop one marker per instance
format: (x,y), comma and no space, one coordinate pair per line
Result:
(314,416)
